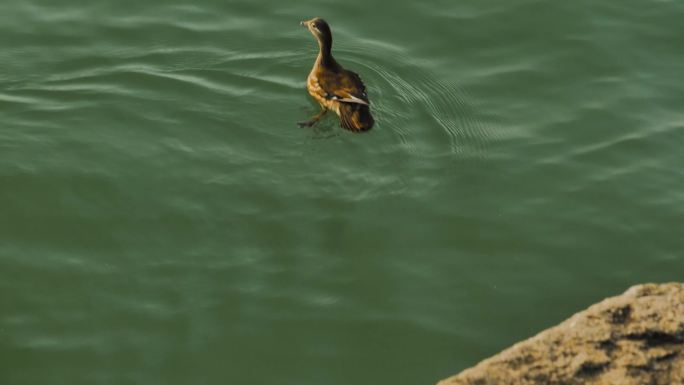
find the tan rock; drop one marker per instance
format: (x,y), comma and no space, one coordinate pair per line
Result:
(633,339)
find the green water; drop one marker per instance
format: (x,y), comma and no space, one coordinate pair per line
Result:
(164,221)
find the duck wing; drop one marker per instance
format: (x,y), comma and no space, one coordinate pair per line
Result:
(344,86)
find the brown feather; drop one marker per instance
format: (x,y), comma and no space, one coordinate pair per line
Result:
(355,117)
(335,88)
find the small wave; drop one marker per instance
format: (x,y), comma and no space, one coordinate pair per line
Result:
(399,99)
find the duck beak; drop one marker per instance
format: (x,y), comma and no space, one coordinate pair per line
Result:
(304,23)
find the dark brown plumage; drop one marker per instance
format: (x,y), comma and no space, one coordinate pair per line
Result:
(335,88)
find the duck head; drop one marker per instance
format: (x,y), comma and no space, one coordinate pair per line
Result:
(321,31)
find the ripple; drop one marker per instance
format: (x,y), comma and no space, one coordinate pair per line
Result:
(4,97)
(399,100)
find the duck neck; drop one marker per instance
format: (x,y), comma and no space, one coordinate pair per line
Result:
(325,57)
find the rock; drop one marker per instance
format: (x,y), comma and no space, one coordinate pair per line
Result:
(632,339)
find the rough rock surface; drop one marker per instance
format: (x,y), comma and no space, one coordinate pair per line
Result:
(634,338)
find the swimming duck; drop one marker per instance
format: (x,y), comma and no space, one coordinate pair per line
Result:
(334,87)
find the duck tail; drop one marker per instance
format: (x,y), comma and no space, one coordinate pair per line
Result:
(355,117)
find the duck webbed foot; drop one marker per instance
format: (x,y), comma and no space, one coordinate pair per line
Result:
(307,123)
(312,121)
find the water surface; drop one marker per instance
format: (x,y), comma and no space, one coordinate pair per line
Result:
(164,221)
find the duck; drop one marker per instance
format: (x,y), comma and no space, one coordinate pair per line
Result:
(333,87)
